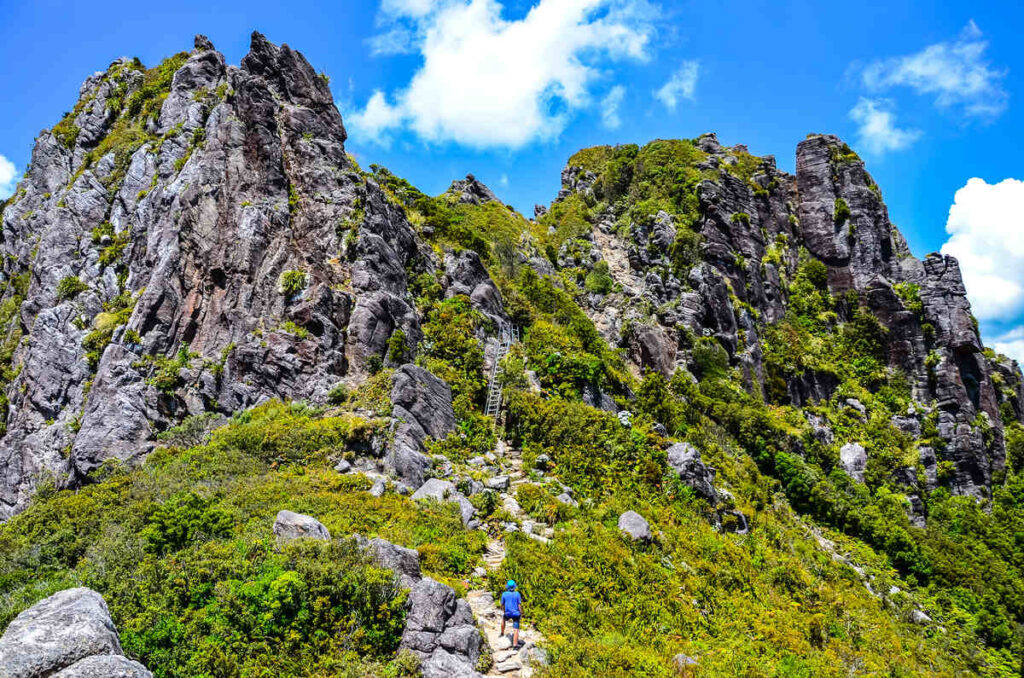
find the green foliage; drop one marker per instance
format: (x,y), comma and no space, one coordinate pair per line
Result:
(70,287)
(840,212)
(182,520)
(183,553)
(292,282)
(397,347)
(598,281)
(911,296)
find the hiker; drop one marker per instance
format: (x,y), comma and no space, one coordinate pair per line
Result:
(512,604)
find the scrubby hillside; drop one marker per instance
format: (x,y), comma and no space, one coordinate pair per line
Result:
(212,313)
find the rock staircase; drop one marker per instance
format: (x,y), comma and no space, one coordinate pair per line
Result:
(508,661)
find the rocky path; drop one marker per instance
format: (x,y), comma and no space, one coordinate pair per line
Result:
(508,662)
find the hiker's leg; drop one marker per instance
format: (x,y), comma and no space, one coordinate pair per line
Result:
(515,633)
(502,624)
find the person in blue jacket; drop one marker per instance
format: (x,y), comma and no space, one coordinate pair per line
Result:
(512,606)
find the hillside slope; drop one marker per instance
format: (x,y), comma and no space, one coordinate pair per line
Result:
(829,458)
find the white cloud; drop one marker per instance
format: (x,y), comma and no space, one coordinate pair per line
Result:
(610,107)
(489,82)
(1011,344)
(376,119)
(877,131)
(985,226)
(397,40)
(682,84)
(956,73)
(8,178)
(503,181)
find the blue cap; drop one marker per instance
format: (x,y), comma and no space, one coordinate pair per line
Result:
(511,584)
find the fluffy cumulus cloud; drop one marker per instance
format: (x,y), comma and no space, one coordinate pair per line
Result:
(8,178)
(877,130)
(1011,343)
(486,81)
(610,107)
(985,226)
(956,73)
(681,85)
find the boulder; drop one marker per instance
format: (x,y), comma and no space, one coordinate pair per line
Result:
(436,616)
(445,491)
(633,525)
(421,409)
(853,459)
(56,633)
(402,561)
(685,460)
(105,666)
(288,526)
(683,662)
(443,664)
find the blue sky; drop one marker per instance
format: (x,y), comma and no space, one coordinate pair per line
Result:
(927,92)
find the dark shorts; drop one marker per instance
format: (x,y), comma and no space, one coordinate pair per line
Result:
(514,618)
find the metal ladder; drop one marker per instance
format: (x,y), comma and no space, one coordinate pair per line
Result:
(507,335)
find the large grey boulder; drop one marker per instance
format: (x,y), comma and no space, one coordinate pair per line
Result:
(445,491)
(853,459)
(421,409)
(442,664)
(437,620)
(402,561)
(288,526)
(685,460)
(105,666)
(633,525)
(57,632)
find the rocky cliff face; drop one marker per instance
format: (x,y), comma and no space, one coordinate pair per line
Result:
(753,221)
(194,238)
(215,248)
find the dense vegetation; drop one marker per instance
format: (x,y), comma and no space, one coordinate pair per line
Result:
(182,549)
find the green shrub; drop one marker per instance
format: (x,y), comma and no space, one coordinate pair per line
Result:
(292,282)
(70,287)
(840,212)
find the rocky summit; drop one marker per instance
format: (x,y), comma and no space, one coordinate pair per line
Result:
(697,406)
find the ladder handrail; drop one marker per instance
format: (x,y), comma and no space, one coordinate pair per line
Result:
(507,334)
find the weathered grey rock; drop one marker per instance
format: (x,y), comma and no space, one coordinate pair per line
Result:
(402,561)
(442,664)
(472,191)
(652,348)
(445,491)
(208,240)
(465,274)
(343,466)
(919,617)
(57,632)
(566,498)
(436,616)
(379,487)
(683,662)
(499,483)
(288,526)
(421,409)
(685,460)
(853,459)
(633,525)
(105,666)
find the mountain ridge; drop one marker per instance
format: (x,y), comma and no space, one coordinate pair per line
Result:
(192,243)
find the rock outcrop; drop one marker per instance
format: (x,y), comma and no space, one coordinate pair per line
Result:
(634,526)
(421,409)
(289,526)
(684,459)
(70,634)
(237,236)
(439,626)
(752,227)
